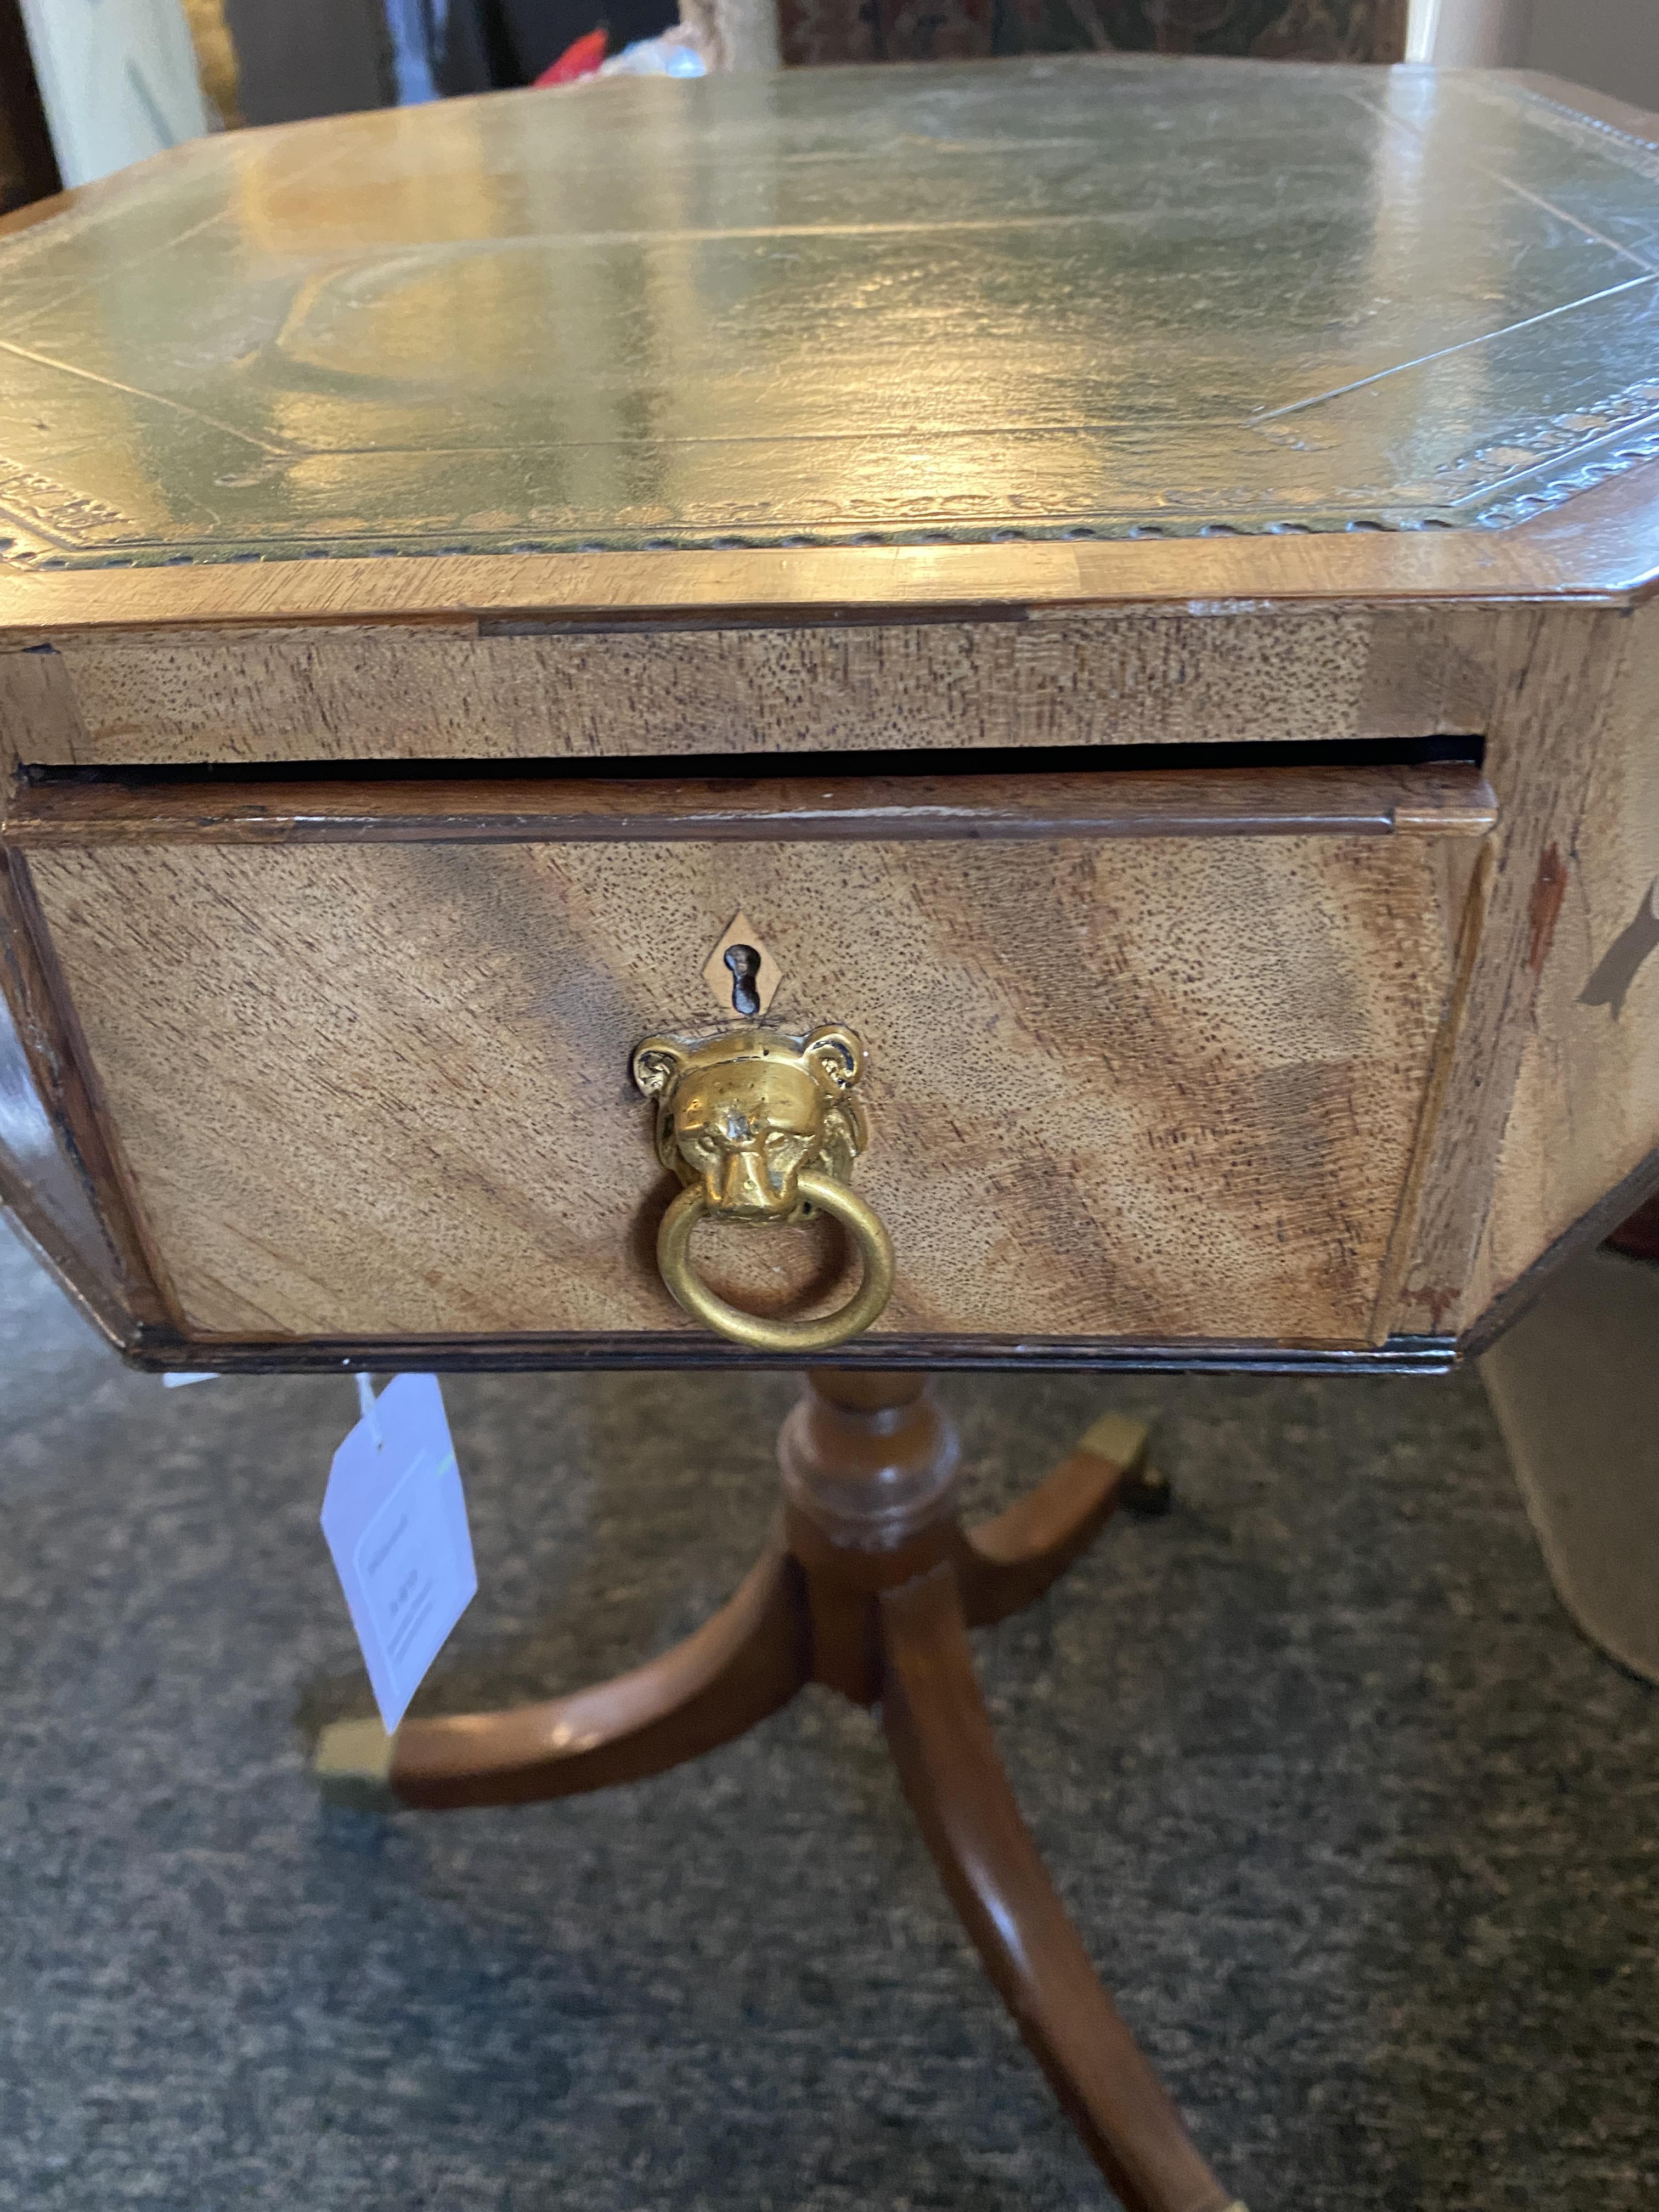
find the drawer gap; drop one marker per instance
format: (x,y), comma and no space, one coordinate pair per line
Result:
(1467,749)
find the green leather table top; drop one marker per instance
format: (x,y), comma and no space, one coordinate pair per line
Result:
(1076,296)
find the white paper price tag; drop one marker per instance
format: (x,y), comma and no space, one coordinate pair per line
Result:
(396,1523)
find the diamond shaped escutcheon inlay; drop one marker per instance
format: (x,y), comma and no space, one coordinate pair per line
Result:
(740,972)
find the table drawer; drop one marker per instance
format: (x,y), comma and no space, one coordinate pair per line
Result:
(1148,1055)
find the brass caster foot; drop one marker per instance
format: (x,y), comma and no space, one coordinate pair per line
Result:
(352,1767)
(1145,1489)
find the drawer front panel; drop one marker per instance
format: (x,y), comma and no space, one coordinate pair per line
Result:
(562,691)
(1136,1088)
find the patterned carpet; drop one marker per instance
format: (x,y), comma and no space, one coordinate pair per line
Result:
(1364,1836)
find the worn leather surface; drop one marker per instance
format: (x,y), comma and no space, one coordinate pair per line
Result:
(1040,298)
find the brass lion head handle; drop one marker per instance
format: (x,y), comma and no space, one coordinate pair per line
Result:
(744,1113)
(763,1128)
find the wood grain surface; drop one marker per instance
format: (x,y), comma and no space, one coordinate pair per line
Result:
(940,1735)
(1599,548)
(411,691)
(38,718)
(1447,799)
(1564,700)
(41,1188)
(60,1166)
(1158,1088)
(1550,1099)
(1585,1109)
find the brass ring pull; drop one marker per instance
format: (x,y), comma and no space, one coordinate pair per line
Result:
(875,1249)
(759,1126)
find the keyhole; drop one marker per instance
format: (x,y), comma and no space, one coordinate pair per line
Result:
(744,961)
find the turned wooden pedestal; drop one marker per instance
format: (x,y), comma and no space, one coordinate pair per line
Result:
(869,1585)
